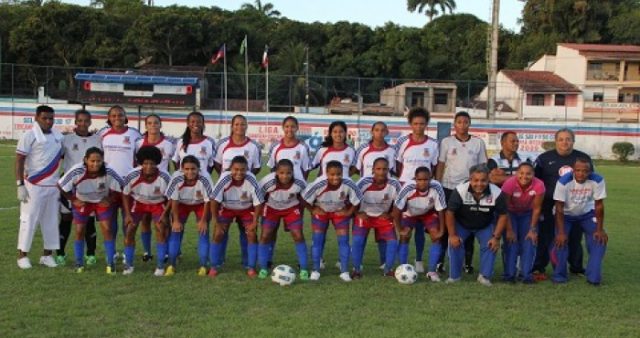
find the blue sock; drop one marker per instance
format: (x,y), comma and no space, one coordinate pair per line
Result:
(434,255)
(129,252)
(225,241)
(317,248)
(203,248)
(215,254)
(174,247)
(110,250)
(263,255)
(252,255)
(146,241)
(161,250)
(301,251)
(358,251)
(403,253)
(382,251)
(344,251)
(244,248)
(114,225)
(78,251)
(390,256)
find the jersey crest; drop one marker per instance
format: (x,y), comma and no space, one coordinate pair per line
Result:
(75,146)
(126,140)
(346,159)
(199,195)
(297,155)
(245,196)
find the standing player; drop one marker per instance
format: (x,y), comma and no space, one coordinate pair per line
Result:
(195,143)
(74,147)
(282,194)
(93,188)
(37,159)
(579,197)
(506,163)
(378,193)
(458,153)
(236,196)
(413,151)
(143,196)
(189,191)
(334,148)
(292,149)
(420,205)
(331,198)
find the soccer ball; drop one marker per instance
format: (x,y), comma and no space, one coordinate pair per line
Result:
(406,274)
(283,275)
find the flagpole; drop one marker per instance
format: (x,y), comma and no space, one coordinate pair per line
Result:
(246,70)
(225,76)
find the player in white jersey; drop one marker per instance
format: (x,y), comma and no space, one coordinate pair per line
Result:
(92,187)
(292,149)
(143,195)
(335,148)
(378,193)
(74,147)
(195,143)
(37,160)
(413,151)
(331,198)
(376,148)
(421,201)
(189,191)
(282,194)
(458,153)
(236,196)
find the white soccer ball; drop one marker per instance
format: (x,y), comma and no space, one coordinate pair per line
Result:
(406,274)
(283,275)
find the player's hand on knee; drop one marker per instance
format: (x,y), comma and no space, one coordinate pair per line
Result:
(202,227)
(601,237)
(454,241)
(436,236)
(561,240)
(23,194)
(510,235)
(176,226)
(493,244)
(532,236)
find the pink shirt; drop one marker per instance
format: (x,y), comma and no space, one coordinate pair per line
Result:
(522,199)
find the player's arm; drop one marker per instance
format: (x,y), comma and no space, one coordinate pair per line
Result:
(396,214)
(441,224)
(535,218)
(599,235)
(20,159)
(256,215)
(439,171)
(215,207)
(501,226)
(561,237)
(176,226)
(217,167)
(164,218)
(202,224)
(450,220)
(126,206)
(398,170)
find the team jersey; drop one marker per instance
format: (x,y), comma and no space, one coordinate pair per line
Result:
(90,189)
(204,150)
(377,199)
(550,166)
(416,203)
(278,196)
(346,156)
(508,166)
(522,199)
(74,147)
(42,159)
(331,200)
(579,198)
(227,150)
(458,157)
(166,146)
(298,154)
(367,154)
(237,195)
(413,155)
(120,148)
(144,191)
(190,194)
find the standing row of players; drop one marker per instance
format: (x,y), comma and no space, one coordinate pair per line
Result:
(377,200)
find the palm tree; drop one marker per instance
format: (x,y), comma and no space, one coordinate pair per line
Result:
(266,9)
(430,7)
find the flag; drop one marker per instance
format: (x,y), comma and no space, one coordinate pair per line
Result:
(243,46)
(217,56)
(265,57)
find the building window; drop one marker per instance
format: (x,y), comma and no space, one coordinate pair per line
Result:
(636,98)
(441,98)
(621,97)
(560,100)
(598,97)
(537,100)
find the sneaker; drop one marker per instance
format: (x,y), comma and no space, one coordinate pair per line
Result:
(61,260)
(433,276)
(468,269)
(111,270)
(90,260)
(213,273)
(79,269)
(356,275)
(345,277)
(322,265)
(24,263)
(202,271)
(440,268)
(381,267)
(579,273)
(48,261)
(124,259)
(127,270)
(315,275)
(338,266)
(419,266)
(170,271)
(158,272)
(389,273)
(484,281)
(539,276)
(251,273)
(146,257)
(304,275)
(452,280)
(263,274)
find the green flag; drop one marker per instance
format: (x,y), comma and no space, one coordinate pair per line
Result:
(243,46)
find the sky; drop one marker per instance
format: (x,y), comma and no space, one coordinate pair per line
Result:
(373,13)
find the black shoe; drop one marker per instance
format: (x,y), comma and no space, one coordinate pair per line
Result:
(578,273)
(440,268)
(147,257)
(468,269)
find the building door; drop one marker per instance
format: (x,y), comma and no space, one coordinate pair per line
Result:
(417,99)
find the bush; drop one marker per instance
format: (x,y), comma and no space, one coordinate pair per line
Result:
(623,150)
(549,145)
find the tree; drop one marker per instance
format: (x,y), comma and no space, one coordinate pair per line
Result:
(267,9)
(430,7)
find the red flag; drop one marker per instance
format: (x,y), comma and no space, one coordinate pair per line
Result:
(265,57)
(219,55)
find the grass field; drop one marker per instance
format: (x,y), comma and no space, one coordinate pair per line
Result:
(57,302)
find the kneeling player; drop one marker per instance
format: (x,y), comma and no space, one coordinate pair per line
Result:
(281,192)
(579,197)
(236,196)
(331,198)
(143,195)
(420,205)
(92,188)
(189,191)
(378,193)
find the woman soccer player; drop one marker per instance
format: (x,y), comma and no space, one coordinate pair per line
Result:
(331,197)
(92,187)
(378,193)
(189,191)
(292,149)
(236,196)
(143,196)
(282,193)
(195,143)
(376,148)
(524,194)
(334,148)
(421,202)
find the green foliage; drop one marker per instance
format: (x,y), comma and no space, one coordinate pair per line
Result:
(623,150)
(431,8)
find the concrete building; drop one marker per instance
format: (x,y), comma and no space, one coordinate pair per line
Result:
(438,98)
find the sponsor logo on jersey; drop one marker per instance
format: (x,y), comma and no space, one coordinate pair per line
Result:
(489,199)
(342,195)
(156,190)
(75,147)
(199,195)
(203,150)
(244,196)
(385,197)
(532,193)
(518,194)
(454,152)
(101,186)
(126,140)
(292,196)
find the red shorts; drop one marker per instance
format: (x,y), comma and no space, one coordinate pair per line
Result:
(138,210)
(81,215)
(292,218)
(383,228)
(184,210)
(242,217)
(319,223)
(429,221)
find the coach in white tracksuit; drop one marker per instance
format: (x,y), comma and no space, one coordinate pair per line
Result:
(37,161)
